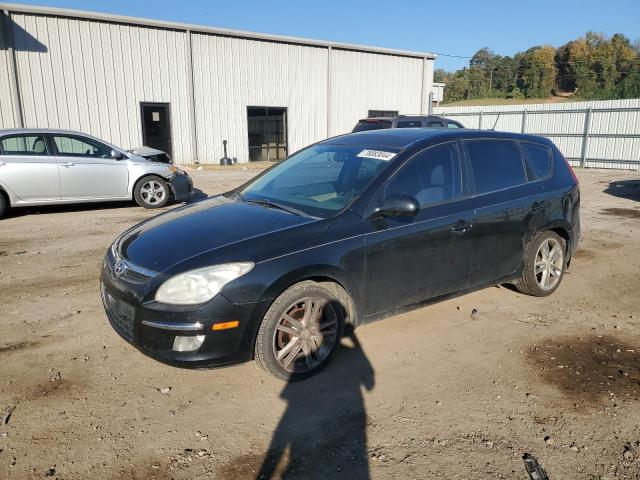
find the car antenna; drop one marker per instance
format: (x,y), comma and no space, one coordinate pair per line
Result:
(496,122)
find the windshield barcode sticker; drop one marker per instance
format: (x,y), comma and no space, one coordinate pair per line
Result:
(377,154)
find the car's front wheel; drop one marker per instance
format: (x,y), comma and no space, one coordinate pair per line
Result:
(300,331)
(544,265)
(3,205)
(151,192)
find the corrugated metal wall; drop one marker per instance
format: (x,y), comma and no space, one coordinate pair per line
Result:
(565,122)
(92,76)
(231,74)
(362,82)
(7,108)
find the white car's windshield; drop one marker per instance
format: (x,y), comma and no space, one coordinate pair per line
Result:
(320,180)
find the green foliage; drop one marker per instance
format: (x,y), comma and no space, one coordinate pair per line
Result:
(590,67)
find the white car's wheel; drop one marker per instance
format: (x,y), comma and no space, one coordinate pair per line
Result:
(151,192)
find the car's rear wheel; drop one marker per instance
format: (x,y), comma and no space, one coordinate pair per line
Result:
(300,331)
(544,265)
(151,192)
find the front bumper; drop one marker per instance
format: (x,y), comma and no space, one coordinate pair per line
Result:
(182,187)
(152,327)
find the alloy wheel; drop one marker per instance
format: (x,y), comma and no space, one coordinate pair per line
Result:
(549,264)
(305,335)
(152,192)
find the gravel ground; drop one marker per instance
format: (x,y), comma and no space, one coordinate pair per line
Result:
(437,392)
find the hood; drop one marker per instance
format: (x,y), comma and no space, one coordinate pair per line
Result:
(151,154)
(202,229)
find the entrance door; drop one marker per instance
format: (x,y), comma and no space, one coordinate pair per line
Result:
(156,126)
(267,133)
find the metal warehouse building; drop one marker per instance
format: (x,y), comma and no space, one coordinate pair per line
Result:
(186,88)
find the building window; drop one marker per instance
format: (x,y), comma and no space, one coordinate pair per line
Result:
(382,113)
(267,133)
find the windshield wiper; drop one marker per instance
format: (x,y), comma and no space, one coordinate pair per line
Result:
(268,203)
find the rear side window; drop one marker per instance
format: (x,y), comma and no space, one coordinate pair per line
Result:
(364,125)
(495,165)
(409,124)
(434,124)
(23,145)
(538,159)
(452,125)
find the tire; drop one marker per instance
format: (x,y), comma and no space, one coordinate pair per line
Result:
(543,272)
(151,192)
(293,357)
(3,205)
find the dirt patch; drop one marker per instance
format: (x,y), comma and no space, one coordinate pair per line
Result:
(244,466)
(585,254)
(622,212)
(589,370)
(50,388)
(16,347)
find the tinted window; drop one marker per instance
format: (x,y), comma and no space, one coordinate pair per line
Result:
(495,164)
(80,147)
(452,125)
(433,124)
(364,125)
(24,145)
(409,124)
(432,176)
(538,159)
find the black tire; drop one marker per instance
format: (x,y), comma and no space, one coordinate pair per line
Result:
(3,205)
(270,338)
(152,191)
(531,281)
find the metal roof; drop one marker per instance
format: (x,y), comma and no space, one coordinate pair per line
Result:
(105,17)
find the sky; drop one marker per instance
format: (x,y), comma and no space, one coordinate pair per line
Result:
(456,28)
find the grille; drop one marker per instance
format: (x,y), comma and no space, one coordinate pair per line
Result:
(135,275)
(121,315)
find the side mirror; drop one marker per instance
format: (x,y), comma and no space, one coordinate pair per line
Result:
(116,155)
(397,206)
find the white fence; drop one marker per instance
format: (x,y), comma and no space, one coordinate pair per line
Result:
(598,134)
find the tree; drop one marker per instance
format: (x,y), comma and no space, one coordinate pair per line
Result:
(538,71)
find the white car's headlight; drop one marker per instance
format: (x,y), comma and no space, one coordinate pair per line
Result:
(176,170)
(201,285)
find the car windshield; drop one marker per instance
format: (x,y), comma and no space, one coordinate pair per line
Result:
(320,180)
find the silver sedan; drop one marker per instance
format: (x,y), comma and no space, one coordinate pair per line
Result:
(39,166)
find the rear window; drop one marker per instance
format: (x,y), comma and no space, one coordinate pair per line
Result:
(23,145)
(538,159)
(495,165)
(409,124)
(364,125)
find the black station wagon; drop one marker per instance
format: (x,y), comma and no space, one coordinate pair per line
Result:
(335,236)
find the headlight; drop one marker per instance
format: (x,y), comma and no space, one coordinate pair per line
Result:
(201,285)
(176,170)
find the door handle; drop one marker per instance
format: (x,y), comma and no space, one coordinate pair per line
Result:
(537,207)
(67,164)
(461,227)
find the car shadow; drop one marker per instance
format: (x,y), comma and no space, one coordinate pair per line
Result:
(199,195)
(629,189)
(323,432)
